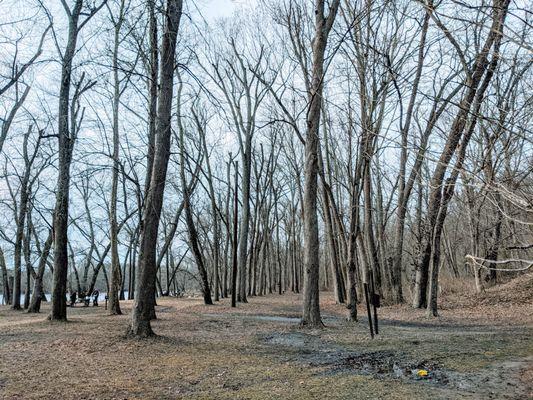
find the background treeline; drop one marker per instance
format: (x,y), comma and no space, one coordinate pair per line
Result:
(422,164)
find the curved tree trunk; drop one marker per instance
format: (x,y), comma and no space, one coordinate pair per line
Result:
(442,194)
(214,212)
(191,228)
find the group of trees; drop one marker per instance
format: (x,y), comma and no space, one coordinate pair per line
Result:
(294,146)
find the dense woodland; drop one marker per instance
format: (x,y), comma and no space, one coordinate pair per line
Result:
(154,147)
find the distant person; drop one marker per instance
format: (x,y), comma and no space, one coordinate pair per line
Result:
(96,293)
(73,296)
(87,300)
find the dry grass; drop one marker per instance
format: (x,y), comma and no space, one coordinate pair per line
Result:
(215,352)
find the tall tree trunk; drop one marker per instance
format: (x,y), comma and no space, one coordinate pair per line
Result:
(369,225)
(27,261)
(6,291)
(449,188)
(116,275)
(147,270)
(38,289)
(441,194)
(191,228)
(214,213)
(245,218)
(152,116)
(19,238)
(228,234)
(311,300)
(234,243)
(403,191)
(65,147)
(152,88)
(352,254)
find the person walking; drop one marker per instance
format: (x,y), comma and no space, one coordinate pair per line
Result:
(73,296)
(96,293)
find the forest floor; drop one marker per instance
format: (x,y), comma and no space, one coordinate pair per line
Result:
(481,347)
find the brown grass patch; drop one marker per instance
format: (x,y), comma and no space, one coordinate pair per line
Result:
(216,352)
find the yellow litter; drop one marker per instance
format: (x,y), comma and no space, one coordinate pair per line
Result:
(422,373)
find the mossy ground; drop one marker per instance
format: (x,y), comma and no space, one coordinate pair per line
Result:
(215,352)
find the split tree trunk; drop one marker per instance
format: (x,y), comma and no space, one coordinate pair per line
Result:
(437,198)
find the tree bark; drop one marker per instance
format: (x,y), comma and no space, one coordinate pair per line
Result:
(6,291)
(191,228)
(438,198)
(21,222)
(116,274)
(65,147)
(146,270)
(234,243)
(403,191)
(214,212)
(38,289)
(311,300)
(152,85)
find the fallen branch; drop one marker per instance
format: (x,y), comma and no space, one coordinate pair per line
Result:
(479,261)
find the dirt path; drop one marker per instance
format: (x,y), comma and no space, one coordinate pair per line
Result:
(258,351)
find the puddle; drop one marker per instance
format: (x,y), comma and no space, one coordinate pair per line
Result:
(293,339)
(388,364)
(286,340)
(271,318)
(327,319)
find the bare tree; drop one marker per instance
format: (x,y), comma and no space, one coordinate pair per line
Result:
(116,276)
(323,24)
(66,134)
(478,77)
(146,270)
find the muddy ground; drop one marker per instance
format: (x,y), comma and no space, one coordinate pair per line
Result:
(481,347)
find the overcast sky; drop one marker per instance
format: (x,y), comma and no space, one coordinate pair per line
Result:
(213,9)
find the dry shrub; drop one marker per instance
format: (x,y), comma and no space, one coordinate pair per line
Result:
(451,286)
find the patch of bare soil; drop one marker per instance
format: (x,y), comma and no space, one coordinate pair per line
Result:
(494,381)
(259,351)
